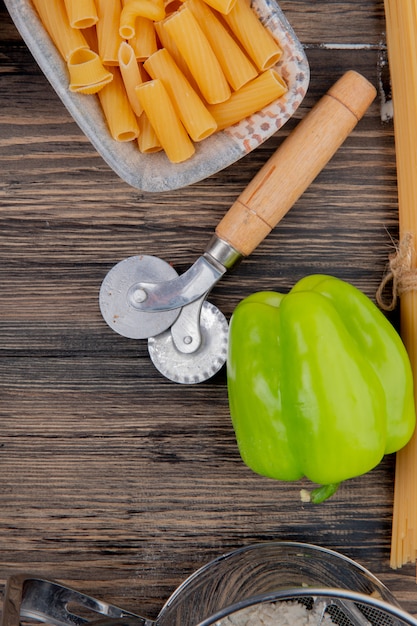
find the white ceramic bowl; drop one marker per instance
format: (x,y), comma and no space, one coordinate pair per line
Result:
(154,172)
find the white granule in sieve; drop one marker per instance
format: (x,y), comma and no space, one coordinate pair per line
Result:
(278,614)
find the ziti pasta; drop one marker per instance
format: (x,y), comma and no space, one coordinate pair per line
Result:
(199,56)
(87,73)
(252,97)
(81,13)
(162,115)
(197,120)
(122,122)
(144,41)
(237,67)
(255,39)
(131,75)
(108,37)
(167,73)
(55,20)
(148,142)
(151,9)
(222,6)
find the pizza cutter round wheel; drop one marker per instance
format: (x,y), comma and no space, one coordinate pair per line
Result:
(119,297)
(204,363)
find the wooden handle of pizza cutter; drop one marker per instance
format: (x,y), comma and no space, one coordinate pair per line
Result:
(296,163)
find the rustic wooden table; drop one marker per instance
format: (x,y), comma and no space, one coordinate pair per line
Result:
(113,479)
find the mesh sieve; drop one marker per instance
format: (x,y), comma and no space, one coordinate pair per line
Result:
(323,606)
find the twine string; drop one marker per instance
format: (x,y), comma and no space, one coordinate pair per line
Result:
(401,276)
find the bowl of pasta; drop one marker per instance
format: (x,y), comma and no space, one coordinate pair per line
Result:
(168,92)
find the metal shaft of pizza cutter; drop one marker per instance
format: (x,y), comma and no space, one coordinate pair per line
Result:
(218,258)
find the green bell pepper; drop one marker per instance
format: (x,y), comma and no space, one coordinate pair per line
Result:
(319,384)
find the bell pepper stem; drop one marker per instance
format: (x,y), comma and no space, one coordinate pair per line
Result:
(320,494)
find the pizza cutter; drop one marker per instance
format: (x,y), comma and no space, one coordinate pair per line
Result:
(143,297)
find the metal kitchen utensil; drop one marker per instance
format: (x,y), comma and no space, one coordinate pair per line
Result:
(120,297)
(182,367)
(188,347)
(323,581)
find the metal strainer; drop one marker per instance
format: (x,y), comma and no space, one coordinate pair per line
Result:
(325,606)
(232,589)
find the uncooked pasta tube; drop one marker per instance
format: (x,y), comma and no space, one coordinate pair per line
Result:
(236,66)
(144,42)
(148,142)
(258,42)
(151,9)
(193,45)
(87,73)
(108,36)
(223,6)
(131,75)
(120,118)
(198,122)
(81,13)
(255,95)
(55,19)
(165,121)
(168,43)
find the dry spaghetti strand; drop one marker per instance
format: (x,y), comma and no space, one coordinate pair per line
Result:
(401,24)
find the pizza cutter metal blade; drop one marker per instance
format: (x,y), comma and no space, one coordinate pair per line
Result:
(144,297)
(187,343)
(119,297)
(203,363)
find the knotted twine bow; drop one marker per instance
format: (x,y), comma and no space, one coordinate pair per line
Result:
(401,275)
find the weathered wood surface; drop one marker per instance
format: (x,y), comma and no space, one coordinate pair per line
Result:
(113,479)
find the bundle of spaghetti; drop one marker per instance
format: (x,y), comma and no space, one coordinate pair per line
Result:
(401,29)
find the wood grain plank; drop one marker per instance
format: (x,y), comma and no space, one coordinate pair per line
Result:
(115,480)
